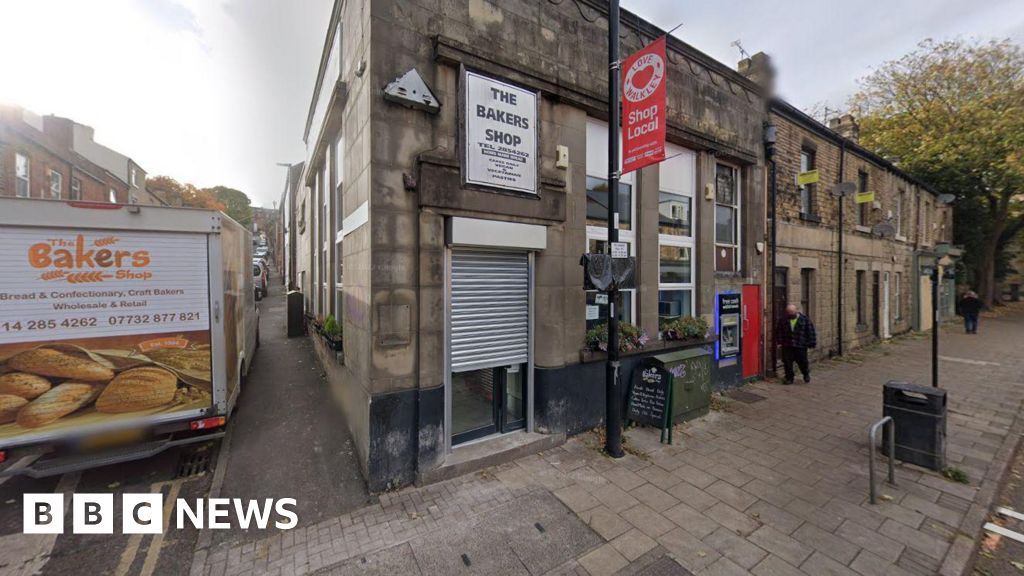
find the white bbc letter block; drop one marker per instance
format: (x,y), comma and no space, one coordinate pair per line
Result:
(43,514)
(92,514)
(142,513)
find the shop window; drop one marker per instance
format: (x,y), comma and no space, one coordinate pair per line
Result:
(598,304)
(807,291)
(807,163)
(22,177)
(56,184)
(598,307)
(864,207)
(861,289)
(727,216)
(76,188)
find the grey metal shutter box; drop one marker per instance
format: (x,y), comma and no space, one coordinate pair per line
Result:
(490,309)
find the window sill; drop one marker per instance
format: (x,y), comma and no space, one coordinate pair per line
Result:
(810,217)
(862,229)
(901,238)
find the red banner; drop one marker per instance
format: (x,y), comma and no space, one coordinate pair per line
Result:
(643,107)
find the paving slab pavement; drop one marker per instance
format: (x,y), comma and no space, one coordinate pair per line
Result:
(777,486)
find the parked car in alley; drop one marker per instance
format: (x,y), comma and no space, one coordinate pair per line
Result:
(259,278)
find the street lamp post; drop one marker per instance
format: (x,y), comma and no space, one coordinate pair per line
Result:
(938,272)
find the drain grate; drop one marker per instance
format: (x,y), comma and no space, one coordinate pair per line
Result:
(194,462)
(664,566)
(744,396)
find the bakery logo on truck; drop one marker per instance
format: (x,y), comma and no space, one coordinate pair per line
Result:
(78,261)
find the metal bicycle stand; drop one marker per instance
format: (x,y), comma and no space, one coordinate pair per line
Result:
(872,435)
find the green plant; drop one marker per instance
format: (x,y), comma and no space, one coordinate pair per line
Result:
(331,327)
(631,337)
(955,474)
(684,328)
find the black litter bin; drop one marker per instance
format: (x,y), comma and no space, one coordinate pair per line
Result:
(919,419)
(296,321)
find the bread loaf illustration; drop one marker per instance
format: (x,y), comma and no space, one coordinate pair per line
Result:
(9,406)
(56,403)
(57,364)
(138,389)
(22,384)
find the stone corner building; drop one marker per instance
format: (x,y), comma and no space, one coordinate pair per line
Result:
(448,247)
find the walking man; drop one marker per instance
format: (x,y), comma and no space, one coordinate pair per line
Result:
(795,334)
(970,306)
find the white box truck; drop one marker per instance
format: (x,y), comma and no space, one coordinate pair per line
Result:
(124,330)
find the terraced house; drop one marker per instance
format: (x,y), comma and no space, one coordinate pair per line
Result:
(877,285)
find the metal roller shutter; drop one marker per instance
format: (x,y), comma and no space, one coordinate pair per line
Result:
(490,309)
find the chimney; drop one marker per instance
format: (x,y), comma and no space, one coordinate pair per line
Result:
(759,69)
(846,126)
(60,130)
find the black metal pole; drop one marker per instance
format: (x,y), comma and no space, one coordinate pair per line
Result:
(935,326)
(613,398)
(773,195)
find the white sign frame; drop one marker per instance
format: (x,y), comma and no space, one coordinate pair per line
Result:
(475,164)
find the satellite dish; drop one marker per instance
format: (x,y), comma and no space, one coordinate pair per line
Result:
(946,198)
(884,230)
(844,189)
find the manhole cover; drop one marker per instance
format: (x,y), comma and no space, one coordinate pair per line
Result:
(194,462)
(664,566)
(743,396)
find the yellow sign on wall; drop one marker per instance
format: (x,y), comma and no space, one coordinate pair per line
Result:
(805,178)
(864,197)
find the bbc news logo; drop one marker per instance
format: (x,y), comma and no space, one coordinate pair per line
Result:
(144,513)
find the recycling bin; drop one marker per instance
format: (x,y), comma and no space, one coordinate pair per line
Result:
(691,381)
(919,421)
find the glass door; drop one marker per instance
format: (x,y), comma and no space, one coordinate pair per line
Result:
(488,401)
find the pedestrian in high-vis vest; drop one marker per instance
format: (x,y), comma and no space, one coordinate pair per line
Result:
(795,334)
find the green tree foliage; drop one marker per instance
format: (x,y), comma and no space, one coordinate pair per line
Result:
(177,194)
(236,204)
(952,114)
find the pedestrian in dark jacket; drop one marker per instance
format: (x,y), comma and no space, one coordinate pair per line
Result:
(795,334)
(970,307)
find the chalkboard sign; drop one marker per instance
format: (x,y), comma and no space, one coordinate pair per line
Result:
(650,396)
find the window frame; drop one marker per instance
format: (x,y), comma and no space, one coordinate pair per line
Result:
(807,191)
(112,196)
(863,183)
(860,278)
(807,299)
(20,178)
(597,168)
(686,189)
(59,181)
(76,188)
(738,215)
(901,197)
(898,295)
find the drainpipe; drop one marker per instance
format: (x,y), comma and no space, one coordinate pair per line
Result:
(839,269)
(770,137)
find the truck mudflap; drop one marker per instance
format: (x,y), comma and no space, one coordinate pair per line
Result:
(52,465)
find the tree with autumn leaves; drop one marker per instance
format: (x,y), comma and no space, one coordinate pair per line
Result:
(232,202)
(952,114)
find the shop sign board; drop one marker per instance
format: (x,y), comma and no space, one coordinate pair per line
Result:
(500,127)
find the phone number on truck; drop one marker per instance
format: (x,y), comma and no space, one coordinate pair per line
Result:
(91,322)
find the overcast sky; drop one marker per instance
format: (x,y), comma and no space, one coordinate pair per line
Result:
(215,92)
